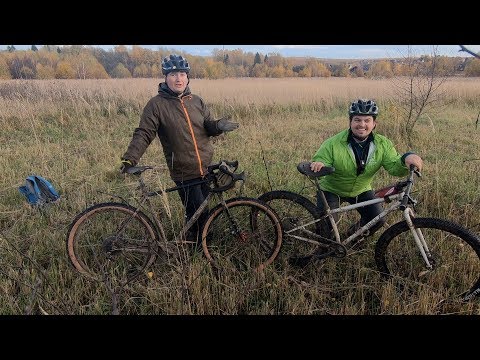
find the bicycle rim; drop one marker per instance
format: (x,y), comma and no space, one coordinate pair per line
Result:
(111,242)
(246,235)
(454,255)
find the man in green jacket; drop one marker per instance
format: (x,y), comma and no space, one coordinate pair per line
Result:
(357,154)
(184,125)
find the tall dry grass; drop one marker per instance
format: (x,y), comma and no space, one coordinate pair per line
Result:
(74,132)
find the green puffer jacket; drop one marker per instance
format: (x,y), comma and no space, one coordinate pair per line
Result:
(184,126)
(337,152)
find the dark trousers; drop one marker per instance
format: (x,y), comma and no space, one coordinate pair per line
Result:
(192,197)
(367,213)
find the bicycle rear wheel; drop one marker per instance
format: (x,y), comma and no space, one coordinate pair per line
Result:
(454,256)
(300,221)
(246,234)
(112,241)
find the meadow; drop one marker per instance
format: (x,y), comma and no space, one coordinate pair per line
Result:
(73,133)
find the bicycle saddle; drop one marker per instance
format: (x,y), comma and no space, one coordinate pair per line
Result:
(304,168)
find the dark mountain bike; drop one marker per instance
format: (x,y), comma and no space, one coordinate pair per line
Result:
(120,240)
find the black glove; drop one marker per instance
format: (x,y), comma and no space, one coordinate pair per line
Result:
(126,164)
(224,124)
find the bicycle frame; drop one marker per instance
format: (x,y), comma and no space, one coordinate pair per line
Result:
(398,201)
(145,199)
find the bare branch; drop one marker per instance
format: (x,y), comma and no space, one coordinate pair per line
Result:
(463,48)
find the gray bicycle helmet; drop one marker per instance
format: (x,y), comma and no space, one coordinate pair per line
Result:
(363,107)
(174,63)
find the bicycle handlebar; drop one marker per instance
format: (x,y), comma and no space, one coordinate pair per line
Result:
(223,166)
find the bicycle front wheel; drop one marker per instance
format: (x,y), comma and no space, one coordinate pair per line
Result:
(112,241)
(453,252)
(301,220)
(245,234)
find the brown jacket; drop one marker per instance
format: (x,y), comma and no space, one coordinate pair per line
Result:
(184,125)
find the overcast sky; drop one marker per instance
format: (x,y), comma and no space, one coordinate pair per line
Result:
(319,51)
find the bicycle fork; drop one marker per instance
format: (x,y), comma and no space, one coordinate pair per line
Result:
(236,230)
(418,237)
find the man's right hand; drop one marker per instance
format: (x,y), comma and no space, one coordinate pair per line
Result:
(315,166)
(126,164)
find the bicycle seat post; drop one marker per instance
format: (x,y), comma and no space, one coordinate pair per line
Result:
(326,206)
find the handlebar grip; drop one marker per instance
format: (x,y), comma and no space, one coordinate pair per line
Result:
(223,168)
(216,166)
(415,170)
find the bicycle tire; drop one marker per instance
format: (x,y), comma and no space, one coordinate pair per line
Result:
(251,244)
(294,210)
(450,278)
(119,255)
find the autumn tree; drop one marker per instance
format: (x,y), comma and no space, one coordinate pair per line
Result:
(317,68)
(215,69)
(141,71)
(342,71)
(45,71)
(64,70)
(259,71)
(380,69)
(358,71)
(86,66)
(121,72)
(22,66)
(276,71)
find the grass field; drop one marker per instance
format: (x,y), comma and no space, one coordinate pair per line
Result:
(74,132)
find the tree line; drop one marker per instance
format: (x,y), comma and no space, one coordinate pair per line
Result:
(88,62)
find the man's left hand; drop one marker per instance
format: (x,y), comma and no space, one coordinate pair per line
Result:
(224,124)
(414,159)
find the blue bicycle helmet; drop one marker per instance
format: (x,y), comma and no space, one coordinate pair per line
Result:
(174,63)
(363,107)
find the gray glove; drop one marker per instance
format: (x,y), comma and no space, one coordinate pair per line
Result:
(224,124)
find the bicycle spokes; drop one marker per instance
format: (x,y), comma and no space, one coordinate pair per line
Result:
(449,267)
(242,237)
(112,243)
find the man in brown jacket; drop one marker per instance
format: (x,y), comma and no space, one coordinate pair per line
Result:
(184,124)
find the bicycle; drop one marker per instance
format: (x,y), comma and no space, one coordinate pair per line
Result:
(121,240)
(449,253)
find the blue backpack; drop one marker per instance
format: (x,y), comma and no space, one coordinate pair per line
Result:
(38,191)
